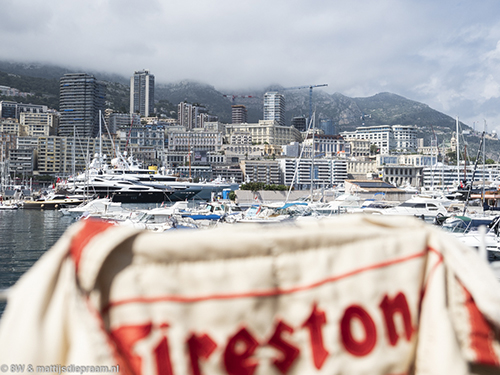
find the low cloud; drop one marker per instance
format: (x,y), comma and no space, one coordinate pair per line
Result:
(441,53)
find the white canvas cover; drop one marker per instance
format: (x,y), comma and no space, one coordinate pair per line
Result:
(350,295)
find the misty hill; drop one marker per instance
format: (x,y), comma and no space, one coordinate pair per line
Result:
(345,112)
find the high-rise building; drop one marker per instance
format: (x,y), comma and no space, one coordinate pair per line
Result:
(82,96)
(192,116)
(327,126)
(299,123)
(142,93)
(274,107)
(238,114)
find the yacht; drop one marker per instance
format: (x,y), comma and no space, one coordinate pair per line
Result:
(127,182)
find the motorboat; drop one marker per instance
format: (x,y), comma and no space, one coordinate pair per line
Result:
(275,212)
(425,208)
(98,206)
(8,207)
(51,202)
(344,203)
(217,210)
(466,230)
(160,219)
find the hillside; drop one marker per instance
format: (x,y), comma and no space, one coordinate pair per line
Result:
(346,113)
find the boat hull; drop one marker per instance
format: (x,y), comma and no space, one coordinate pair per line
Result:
(143,197)
(51,205)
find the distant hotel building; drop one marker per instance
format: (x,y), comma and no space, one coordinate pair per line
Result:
(266,132)
(400,138)
(274,107)
(142,93)
(81,99)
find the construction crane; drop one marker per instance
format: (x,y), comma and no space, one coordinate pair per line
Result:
(233,97)
(310,87)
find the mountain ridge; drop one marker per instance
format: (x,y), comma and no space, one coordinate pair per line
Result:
(345,112)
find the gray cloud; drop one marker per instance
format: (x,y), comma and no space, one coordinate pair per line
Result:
(445,54)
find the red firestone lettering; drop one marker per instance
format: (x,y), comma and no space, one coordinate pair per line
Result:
(389,308)
(162,354)
(125,337)
(237,359)
(145,348)
(313,324)
(199,347)
(290,352)
(362,347)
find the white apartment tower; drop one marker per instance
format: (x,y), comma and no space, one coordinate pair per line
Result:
(142,93)
(274,107)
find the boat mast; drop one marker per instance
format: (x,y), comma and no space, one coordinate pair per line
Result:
(480,148)
(74,157)
(312,159)
(458,155)
(484,166)
(100,141)
(297,161)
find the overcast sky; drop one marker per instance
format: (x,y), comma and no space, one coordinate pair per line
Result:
(445,53)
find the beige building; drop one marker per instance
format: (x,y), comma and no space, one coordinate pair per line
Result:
(38,124)
(269,132)
(9,126)
(7,143)
(361,169)
(243,151)
(358,147)
(58,155)
(194,141)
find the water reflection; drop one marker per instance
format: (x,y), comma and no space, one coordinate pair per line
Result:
(25,235)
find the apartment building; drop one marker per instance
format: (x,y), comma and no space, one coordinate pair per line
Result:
(321,172)
(38,124)
(122,121)
(9,126)
(274,107)
(13,110)
(238,114)
(82,99)
(192,116)
(266,171)
(142,93)
(7,143)
(63,155)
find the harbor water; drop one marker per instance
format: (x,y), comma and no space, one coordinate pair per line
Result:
(25,235)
